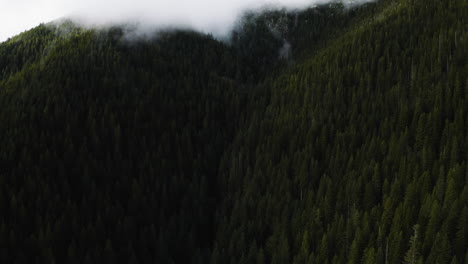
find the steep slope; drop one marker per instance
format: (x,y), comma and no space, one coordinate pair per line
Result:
(109,149)
(184,149)
(356,146)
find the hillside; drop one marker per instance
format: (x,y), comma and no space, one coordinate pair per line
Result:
(349,147)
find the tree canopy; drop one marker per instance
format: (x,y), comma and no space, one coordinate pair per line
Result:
(181,148)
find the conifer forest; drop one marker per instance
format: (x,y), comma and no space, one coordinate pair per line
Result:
(331,135)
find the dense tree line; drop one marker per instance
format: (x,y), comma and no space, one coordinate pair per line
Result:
(359,154)
(108,146)
(180,148)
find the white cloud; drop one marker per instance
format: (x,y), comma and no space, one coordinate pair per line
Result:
(215,16)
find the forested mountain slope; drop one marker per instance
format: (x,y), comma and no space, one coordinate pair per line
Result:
(357,147)
(184,149)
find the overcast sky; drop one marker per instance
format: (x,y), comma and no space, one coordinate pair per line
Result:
(215,16)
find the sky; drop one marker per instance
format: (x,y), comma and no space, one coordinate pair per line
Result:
(210,16)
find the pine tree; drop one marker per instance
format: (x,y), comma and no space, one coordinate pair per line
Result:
(412,256)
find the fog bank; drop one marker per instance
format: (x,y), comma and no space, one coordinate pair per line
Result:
(210,16)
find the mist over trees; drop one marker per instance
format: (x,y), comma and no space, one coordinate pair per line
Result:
(185,149)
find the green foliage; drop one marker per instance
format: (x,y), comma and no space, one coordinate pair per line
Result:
(412,256)
(184,149)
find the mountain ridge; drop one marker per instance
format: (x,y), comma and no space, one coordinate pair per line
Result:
(185,149)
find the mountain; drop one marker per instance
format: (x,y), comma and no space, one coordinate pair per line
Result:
(329,135)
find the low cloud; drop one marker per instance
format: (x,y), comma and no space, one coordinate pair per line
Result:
(209,16)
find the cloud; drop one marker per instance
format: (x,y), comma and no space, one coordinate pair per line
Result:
(213,16)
